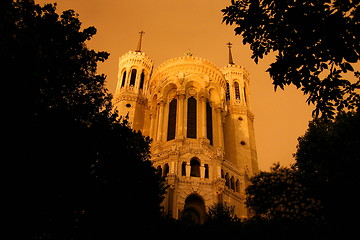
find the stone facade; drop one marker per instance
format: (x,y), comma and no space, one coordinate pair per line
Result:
(202,128)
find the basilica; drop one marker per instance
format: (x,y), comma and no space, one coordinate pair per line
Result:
(202,127)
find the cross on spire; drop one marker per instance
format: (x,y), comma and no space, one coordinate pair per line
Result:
(138,49)
(229,44)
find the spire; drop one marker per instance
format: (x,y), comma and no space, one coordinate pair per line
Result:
(138,49)
(229,44)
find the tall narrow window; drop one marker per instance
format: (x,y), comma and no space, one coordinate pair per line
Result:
(209,125)
(123,79)
(232,183)
(237,90)
(227,180)
(142,79)
(245,93)
(172,120)
(227,91)
(183,169)
(133,77)
(191,118)
(237,185)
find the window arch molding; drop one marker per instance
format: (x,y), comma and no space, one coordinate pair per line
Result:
(168,91)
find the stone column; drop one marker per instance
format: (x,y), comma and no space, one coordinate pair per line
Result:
(172,167)
(202,171)
(160,129)
(188,168)
(180,116)
(202,117)
(219,127)
(152,124)
(218,171)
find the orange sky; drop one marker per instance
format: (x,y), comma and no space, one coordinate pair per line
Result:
(173,27)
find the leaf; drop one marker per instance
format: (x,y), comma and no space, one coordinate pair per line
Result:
(324,65)
(348,66)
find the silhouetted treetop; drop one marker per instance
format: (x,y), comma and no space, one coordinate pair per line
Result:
(72,171)
(316,42)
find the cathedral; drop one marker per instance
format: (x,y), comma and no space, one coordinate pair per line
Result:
(202,127)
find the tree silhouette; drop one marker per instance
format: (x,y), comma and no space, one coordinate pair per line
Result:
(280,196)
(316,42)
(71,169)
(328,157)
(319,191)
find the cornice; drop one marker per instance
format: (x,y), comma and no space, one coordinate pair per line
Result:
(131,97)
(136,58)
(234,69)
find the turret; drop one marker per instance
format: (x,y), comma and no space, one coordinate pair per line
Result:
(135,69)
(239,122)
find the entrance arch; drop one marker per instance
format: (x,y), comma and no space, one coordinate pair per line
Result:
(194,209)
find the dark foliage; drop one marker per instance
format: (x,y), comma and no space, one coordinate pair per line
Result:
(71,170)
(279,196)
(318,194)
(328,159)
(316,42)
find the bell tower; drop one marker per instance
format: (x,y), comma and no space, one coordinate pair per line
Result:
(239,135)
(135,69)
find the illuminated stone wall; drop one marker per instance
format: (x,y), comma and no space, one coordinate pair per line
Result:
(201,124)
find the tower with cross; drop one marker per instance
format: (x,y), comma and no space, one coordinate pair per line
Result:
(135,69)
(138,48)
(229,44)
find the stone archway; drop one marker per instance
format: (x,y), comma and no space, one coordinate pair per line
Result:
(194,209)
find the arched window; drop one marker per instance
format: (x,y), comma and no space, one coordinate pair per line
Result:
(191,118)
(245,94)
(227,180)
(206,170)
(232,183)
(123,79)
(183,169)
(194,168)
(237,185)
(133,77)
(166,170)
(227,91)
(237,90)
(172,120)
(209,125)
(142,79)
